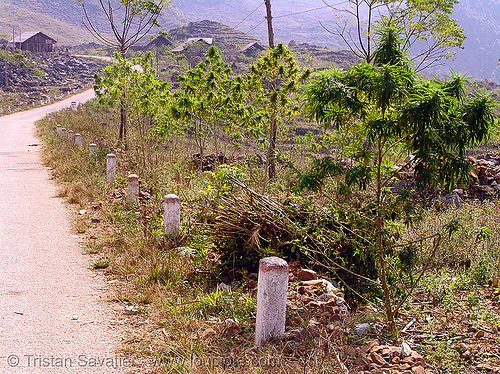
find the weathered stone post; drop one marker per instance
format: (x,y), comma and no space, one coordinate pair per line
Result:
(171,215)
(58,129)
(133,189)
(78,140)
(71,136)
(63,132)
(92,149)
(110,167)
(272,290)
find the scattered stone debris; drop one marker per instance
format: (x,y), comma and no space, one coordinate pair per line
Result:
(484,180)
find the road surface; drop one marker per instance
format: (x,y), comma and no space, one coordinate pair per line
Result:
(53,318)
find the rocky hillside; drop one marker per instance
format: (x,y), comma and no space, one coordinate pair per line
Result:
(41,78)
(293,20)
(222,34)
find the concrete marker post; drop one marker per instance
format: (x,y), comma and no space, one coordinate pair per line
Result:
(63,132)
(92,149)
(171,215)
(78,140)
(71,136)
(58,129)
(272,292)
(133,189)
(110,167)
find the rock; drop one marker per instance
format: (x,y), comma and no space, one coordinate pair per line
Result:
(405,350)
(362,362)
(82,212)
(223,286)
(296,321)
(312,305)
(327,296)
(362,328)
(452,200)
(335,301)
(330,288)
(484,367)
(418,370)
(377,359)
(74,317)
(229,322)
(208,332)
(486,189)
(479,334)
(307,275)
(371,345)
(131,310)
(302,290)
(314,283)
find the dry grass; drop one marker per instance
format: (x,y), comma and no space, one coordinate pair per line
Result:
(167,291)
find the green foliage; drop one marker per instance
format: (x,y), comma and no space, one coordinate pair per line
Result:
(271,87)
(223,179)
(428,23)
(132,85)
(425,27)
(395,109)
(209,99)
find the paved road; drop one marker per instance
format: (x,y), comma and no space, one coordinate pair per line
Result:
(45,279)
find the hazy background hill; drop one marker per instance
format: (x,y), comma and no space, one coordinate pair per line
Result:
(297,20)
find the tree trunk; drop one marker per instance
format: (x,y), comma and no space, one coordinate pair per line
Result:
(271,150)
(123,123)
(379,226)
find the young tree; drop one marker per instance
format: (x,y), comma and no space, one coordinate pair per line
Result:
(397,111)
(133,85)
(129,21)
(427,28)
(271,85)
(209,99)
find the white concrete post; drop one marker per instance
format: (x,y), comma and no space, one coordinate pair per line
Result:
(272,291)
(171,215)
(92,149)
(110,167)
(58,129)
(78,140)
(63,132)
(71,136)
(133,189)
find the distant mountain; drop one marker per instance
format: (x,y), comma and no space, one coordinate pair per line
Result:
(480,20)
(298,20)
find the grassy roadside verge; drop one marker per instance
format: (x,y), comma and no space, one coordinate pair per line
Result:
(178,313)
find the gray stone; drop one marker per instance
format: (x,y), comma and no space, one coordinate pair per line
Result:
(272,292)
(171,215)
(110,167)
(133,189)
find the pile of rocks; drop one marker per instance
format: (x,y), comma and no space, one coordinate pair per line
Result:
(485,180)
(376,358)
(315,305)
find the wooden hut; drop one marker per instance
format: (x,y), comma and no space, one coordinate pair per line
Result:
(34,42)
